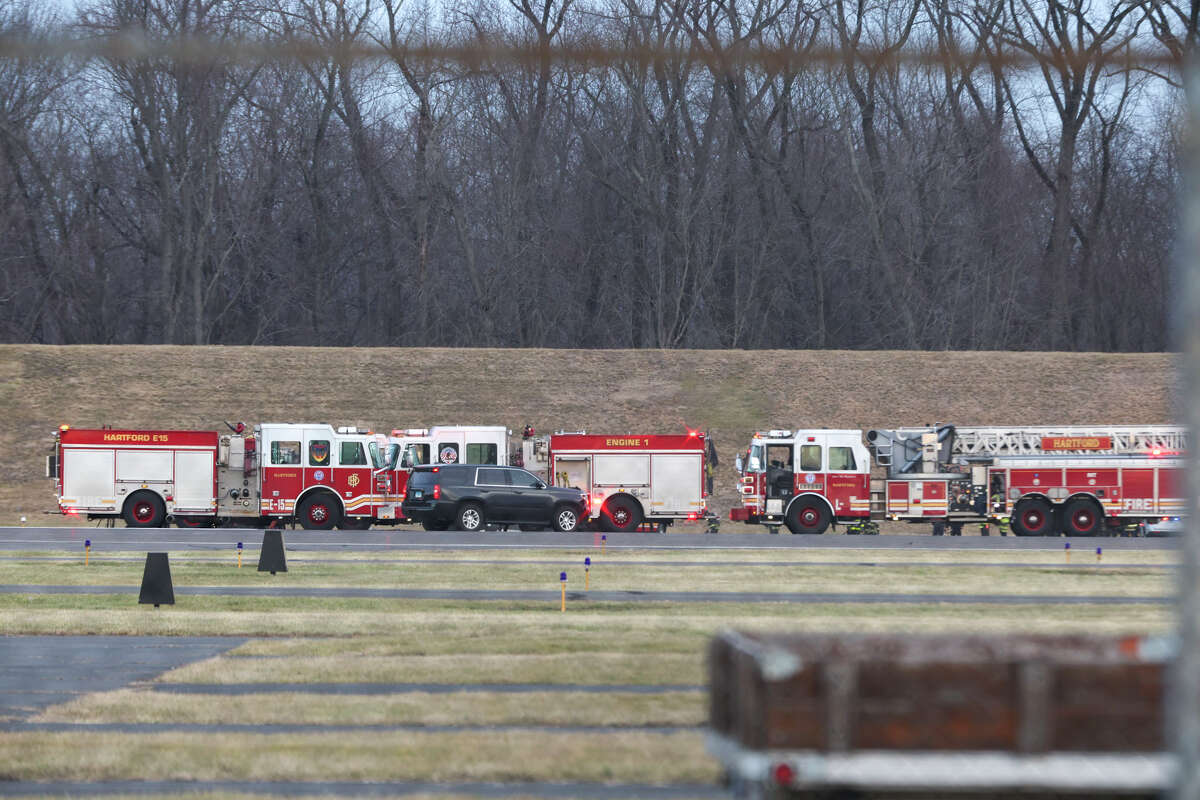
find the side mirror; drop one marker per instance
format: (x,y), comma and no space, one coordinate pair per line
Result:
(737,464)
(541,485)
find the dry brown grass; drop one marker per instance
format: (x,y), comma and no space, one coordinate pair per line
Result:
(371,756)
(730,393)
(415,708)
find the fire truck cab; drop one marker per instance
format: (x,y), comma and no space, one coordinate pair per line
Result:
(807,480)
(453,444)
(324,476)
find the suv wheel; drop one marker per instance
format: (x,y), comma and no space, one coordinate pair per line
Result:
(566,519)
(470,517)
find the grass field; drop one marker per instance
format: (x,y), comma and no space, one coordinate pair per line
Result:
(729,393)
(382,641)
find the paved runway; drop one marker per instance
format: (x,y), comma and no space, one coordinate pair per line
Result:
(398,539)
(40,671)
(553,791)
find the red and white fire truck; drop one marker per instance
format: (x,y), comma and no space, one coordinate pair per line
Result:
(630,479)
(320,476)
(1078,480)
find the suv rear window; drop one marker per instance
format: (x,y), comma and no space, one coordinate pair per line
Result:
(444,475)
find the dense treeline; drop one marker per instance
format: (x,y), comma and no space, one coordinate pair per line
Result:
(702,200)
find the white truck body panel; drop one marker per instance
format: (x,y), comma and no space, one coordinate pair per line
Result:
(674,487)
(194,473)
(622,469)
(89,478)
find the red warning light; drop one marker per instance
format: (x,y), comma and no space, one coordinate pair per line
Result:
(783,773)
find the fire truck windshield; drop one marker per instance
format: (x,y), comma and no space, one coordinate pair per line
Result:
(756,457)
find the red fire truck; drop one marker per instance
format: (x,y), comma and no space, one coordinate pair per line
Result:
(630,479)
(1078,480)
(317,475)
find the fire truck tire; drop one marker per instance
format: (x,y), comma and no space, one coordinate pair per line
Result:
(621,514)
(566,519)
(144,510)
(1082,517)
(318,512)
(470,517)
(355,523)
(435,525)
(1033,517)
(186,521)
(808,515)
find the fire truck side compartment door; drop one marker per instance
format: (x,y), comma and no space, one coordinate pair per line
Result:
(144,466)
(622,469)
(675,483)
(573,471)
(88,477)
(194,479)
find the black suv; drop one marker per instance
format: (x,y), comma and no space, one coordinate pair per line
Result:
(469,497)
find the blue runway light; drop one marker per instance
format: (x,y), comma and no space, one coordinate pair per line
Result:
(87,542)
(239,545)
(587,562)
(562,576)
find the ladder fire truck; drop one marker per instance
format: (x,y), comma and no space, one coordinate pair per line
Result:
(1077,480)
(317,475)
(630,480)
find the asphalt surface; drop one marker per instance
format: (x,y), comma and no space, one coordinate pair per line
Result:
(40,671)
(399,539)
(585,791)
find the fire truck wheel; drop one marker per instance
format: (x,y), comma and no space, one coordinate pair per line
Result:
(194,522)
(355,523)
(318,512)
(620,514)
(144,510)
(1033,517)
(808,515)
(470,517)
(566,519)
(1082,517)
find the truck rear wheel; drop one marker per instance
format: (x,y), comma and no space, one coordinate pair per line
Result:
(808,515)
(1082,517)
(620,514)
(144,510)
(1033,517)
(318,512)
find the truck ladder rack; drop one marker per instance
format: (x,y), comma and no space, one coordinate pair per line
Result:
(1028,441)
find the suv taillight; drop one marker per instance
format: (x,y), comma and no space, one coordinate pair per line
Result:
(437,491)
